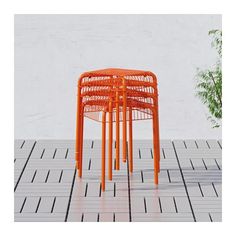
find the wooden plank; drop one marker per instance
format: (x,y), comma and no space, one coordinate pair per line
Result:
(31,204)
(179,144)
(213,144)
(216,216)
(169,153)
(175,176)
(167,204)
(121,217)
(92,189)
(106,217)
(202,144)
(18,203)
(198,164)
(186,164)
(137,204)
(18,143)
(211,164)
(41,176)
(182,204)
(202,217)
(218,188)
(43,189)
(54,176)
(208,190)
(46,205)
(191,144)
(193,189)
(67,176)
(49,153)
(162,217)
(39,217)
(90,217)
(28,176)
(61,204)
(153,204)
(61,153)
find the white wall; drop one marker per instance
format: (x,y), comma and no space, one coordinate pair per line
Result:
(52,51)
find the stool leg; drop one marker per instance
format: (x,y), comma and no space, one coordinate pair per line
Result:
(158,140)
(117,132)
(77,141)
(81,142)
(103,150)
(110,142)
(155,157)
(130,141)
(124,122)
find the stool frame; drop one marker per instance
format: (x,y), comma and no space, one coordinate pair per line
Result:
(117,91)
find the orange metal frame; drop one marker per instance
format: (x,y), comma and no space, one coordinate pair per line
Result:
(117,91)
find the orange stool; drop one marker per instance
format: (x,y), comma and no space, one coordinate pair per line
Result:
(126,95)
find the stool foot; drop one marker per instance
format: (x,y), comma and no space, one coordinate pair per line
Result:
(103,186)
(156,180)
(77,165)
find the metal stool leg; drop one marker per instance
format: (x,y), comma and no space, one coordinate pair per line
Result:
(158,139)
(130,141)
(155,157)
(103,150)
(81,142)
(110,142)
(77,140)
(117,132)
(124,122)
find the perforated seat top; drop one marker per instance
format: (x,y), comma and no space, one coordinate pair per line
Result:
(116,72)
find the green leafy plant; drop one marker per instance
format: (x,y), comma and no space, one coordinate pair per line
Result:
(209,82)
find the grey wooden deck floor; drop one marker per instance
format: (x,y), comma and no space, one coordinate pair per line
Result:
(47,187)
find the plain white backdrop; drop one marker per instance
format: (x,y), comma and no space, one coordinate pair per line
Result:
(51,51)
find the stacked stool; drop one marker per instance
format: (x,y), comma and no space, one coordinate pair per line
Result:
(126,96)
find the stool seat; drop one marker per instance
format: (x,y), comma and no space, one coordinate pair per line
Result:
(125,95)
(116,72)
